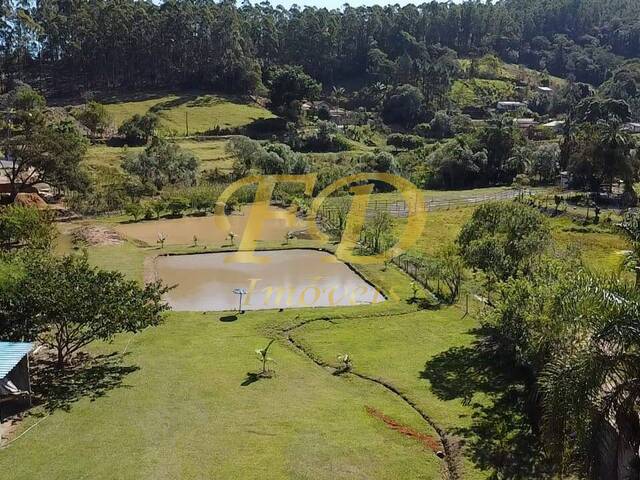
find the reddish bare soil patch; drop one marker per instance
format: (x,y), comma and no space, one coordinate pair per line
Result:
(428,441)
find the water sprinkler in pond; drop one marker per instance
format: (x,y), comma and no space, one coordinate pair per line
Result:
(240,292)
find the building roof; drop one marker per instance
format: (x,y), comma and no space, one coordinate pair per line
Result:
(10,355)
(554,123)
(525,122)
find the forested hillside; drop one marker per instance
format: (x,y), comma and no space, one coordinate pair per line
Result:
(72,46)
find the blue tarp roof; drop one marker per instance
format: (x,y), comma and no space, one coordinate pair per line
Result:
(10,355)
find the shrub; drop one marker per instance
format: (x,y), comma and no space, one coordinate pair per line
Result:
(134,209)
(406,142)
(139,129)
(177,206)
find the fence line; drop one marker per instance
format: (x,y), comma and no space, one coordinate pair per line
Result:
(400,208)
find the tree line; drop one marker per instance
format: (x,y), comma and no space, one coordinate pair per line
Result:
(73,46)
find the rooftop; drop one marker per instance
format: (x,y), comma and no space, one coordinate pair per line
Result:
(10,355)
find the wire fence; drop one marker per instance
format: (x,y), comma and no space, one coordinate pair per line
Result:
(401,209)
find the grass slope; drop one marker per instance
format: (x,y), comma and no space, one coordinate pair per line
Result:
(203,111)
(479,92)
(210,152)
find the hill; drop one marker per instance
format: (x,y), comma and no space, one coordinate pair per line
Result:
(202,112)
(490,80)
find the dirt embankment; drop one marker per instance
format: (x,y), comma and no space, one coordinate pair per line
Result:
(96,235)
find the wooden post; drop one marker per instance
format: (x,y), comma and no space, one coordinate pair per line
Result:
(29,381)
(466,307)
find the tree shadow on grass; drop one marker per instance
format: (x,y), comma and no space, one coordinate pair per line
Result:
(501,436)
(253,377)
(88,377)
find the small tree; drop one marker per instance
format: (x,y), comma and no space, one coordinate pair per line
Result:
(25,226)
(66,304)
(161,239)
(177,206)
(501,239)
(162,164)
(158,207)
(134,209)
(263,356)
(345,364)
(557,199)
(139,129)
(95,117)
(377,229)
(414,290)
(450,270)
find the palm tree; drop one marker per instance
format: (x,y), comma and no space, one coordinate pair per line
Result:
(338,96)
(263,356)
(591,387)
(631,261)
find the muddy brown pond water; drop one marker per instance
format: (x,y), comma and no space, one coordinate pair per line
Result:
(180,231)
(290,279)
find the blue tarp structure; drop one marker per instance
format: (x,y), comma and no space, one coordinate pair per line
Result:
(11,353)
(14,373)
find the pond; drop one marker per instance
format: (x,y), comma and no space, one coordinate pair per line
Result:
(291,279)
(180,231)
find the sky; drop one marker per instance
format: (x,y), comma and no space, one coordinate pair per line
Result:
(339,3)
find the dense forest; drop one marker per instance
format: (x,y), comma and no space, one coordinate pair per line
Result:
(71,46)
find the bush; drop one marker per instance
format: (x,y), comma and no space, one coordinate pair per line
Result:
(177,206)
(139,129)
(162,164)
(406,142)
(135,210)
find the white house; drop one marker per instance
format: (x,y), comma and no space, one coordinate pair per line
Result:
(555,125)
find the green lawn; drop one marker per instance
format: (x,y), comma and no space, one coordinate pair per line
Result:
(202,111)
(210,152)
(174,405)
(600,249)
(175,401)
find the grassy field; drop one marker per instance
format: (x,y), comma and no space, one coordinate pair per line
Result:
(511,71)
(210,152)
(178,401)
(202,112)
(478,92)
